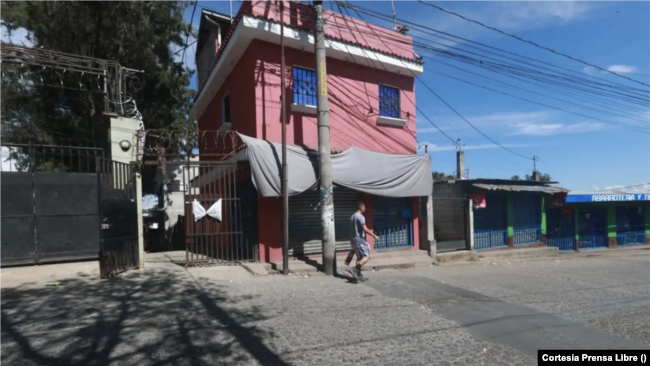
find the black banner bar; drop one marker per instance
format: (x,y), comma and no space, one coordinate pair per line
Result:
(598,357)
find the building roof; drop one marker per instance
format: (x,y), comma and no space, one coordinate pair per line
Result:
(603,192)
(245,12)
(498,182)
(522,188)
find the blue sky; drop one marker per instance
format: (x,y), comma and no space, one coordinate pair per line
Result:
(579,152)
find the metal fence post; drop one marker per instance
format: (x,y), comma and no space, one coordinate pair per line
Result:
(138,201)
(470,225)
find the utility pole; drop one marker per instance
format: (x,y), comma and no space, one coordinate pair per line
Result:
(324,154)
(285,180)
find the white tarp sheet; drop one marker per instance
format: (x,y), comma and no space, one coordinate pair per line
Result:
(362,170)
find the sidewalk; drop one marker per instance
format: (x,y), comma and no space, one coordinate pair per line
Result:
(400,259)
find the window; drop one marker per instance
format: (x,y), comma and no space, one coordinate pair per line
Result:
(304,86)
(225,105)
(389,105)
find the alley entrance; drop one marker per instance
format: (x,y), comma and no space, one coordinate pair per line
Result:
(218,197)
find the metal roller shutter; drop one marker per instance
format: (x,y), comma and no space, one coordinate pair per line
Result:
(304,221)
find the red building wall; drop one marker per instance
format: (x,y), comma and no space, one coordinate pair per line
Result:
(353,101)
(255,88)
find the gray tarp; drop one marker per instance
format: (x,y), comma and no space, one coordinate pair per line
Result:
(362,170)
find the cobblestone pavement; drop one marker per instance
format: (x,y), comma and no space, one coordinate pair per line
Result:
(478,314)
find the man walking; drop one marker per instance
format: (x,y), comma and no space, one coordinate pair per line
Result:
(360,246)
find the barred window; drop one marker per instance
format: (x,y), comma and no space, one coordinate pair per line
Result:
(304,86)
(389,103)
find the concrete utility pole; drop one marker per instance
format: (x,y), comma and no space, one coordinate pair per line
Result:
(285,180)
(324,154)
(460,160)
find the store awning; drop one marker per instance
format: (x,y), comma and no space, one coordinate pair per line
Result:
(521,188)
(366,171)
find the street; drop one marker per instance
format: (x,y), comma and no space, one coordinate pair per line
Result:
(467,314)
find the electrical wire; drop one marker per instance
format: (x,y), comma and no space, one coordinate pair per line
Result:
(187,36)
(636,128)
(473,44)
(463,118)
(531,42)
(410,100)
(417,108)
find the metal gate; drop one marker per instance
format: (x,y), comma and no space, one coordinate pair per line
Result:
(49,203)
(217,241)
(305,230)
(560,229)
(450,224)
(630,225)
(118,249)
(527,218)
(592,226)
(393,222)
(490,223)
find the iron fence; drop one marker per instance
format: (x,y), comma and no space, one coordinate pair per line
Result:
(527,218)
(490,223)
(560,229)
(630,226)
(393,222)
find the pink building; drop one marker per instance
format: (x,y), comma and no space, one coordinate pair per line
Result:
(371,91)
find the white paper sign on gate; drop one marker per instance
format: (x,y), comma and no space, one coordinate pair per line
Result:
(199,212)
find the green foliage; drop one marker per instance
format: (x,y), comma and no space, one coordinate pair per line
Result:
(542,177)
(136,34)
(438,177)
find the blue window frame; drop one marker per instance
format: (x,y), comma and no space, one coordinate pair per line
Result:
(389,105)
(304,86)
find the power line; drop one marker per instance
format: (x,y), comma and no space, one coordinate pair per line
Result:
(634,128)
(530,42)
(468,122)
(412,102)
(468,43)
(187,36)
(450,107)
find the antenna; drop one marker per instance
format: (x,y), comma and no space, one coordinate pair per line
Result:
(535,160)
(394,15)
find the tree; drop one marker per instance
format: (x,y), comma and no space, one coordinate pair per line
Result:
(438,177)
(139,35)
(542,177)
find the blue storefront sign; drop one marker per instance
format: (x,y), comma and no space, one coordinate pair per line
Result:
(608,197)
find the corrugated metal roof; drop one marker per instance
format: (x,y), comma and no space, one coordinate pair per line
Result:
(503,187)
(494,181)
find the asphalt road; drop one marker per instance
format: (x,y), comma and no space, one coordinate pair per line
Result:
(477,314)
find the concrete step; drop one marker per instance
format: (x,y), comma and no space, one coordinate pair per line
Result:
(515,253)
(457,256)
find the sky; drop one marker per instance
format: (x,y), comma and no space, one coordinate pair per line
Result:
(588,152)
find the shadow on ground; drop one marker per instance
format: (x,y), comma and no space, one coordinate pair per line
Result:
(150,318)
